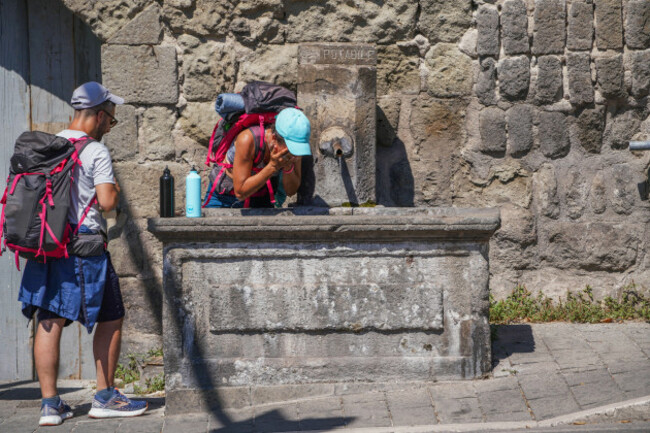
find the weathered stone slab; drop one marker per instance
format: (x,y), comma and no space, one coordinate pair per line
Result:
(581,90)
(487,23)
(337,54)
(514,77)
(450,71)
(157,143)
(486,82)
(637,24)
(592,246)
(398,70)
(208,67)
(553,134)
(142,74)
(609,24)
(609,71)
(493,131)
(591,123)
(444,21)
(549,32)
(580,25)
(514,27)
(520,130)
(622,124)
(549,80)
(144,29)
(122,142)
(640,68)
(320,293)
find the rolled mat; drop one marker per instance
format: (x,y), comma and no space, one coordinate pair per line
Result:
(229,103)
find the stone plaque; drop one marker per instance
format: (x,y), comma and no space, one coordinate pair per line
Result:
(337,54)
(334,293)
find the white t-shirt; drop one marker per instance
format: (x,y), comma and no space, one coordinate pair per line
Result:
(96,168)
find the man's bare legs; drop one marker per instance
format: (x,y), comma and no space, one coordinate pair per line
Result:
(106,348)
(46,354)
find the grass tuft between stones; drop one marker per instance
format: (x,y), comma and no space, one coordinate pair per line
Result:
(131,371)
(581,307)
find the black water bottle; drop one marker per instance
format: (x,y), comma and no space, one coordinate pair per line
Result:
(166,194)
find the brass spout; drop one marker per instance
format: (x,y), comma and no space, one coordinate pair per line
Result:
(337,149)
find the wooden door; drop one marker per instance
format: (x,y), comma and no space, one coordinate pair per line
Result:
(45,52)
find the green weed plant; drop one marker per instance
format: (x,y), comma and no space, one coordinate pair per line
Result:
(581,307)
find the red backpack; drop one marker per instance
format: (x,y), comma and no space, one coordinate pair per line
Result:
(263,101)
(35,204)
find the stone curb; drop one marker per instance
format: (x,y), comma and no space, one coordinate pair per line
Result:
(633,410)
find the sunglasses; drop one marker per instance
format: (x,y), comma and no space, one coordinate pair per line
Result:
(113,119)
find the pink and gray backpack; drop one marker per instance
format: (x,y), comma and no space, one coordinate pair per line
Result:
(35,204)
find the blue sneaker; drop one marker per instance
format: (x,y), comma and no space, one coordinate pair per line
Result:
(118,405)
(54,415)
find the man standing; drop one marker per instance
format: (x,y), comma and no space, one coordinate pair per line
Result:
(83,289)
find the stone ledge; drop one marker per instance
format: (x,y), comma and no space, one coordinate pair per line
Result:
(312,224)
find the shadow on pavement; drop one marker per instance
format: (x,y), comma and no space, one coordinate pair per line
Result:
(512,339)
(274,421)
(32,393)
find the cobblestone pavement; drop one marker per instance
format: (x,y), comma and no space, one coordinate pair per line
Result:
(543,374)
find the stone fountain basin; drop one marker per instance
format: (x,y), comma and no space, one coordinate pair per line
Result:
(263,297)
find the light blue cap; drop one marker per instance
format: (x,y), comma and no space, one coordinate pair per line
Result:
(91,94)
(294,127)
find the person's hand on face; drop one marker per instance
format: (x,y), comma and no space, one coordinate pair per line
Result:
(280,157)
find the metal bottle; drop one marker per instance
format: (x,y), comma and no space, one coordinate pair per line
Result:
(193,194)
(166,194)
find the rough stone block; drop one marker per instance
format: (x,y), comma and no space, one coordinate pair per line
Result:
(156,140)
(591,123)
(139,183)
(445,21)
(122,141)
(609,71)
(487,23)
(143,305)
(398,70)
(514,77)
(383,23)
(307,296)
(549,80)
(580,26)
(553,135)
(198,120)
(575,194)
(107,17)
(514,27)
(493,131)
(274,63)
(591,246)
(609,24)
(144,29)
(623,192)
(598,194)
(436,127)
(622,125)
(209,68)
(637,24)
(549,32)
(213,18)
(142,74)
(640,68)
(450,71)
(520,130)
(486,82)
(581,90)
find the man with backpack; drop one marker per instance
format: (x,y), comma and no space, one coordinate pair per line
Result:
(82,285)
(258,158)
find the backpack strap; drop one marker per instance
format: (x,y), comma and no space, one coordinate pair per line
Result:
(3,202)
(208,160)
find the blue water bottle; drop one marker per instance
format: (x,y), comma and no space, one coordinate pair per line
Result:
(193,194)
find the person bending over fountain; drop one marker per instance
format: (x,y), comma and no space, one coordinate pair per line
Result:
(263,166)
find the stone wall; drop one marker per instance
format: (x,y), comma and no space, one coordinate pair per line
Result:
(523,104)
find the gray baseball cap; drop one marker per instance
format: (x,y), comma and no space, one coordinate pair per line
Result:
(91,94)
